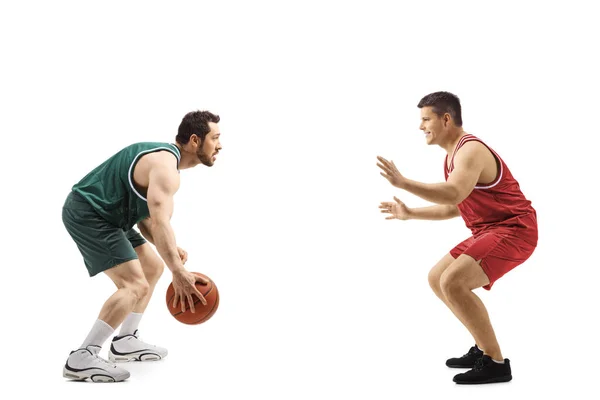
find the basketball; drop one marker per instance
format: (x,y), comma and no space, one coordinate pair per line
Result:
(203,312)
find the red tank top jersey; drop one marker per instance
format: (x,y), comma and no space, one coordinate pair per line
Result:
(497,204)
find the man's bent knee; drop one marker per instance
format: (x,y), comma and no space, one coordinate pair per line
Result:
(435,274)
(139,289)
(451,285)
(434,280)
(130,276)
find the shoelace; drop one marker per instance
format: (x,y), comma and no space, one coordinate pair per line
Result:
(101,359)
(472,351)
(479,364)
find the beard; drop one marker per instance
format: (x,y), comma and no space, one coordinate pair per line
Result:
(204,158)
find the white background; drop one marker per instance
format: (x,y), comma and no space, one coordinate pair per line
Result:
(321,297)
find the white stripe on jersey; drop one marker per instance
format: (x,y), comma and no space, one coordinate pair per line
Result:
(141,153)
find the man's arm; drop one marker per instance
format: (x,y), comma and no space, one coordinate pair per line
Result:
(399,210)
(144,227)
(468,165)
(163,184)
(434,213)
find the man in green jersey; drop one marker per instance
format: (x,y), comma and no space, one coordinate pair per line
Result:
(134,187)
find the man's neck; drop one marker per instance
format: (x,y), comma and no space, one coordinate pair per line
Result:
(187,160)
(453,139)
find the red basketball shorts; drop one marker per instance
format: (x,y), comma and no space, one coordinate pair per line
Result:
(500,250)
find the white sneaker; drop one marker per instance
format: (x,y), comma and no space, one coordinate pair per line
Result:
(86,364)
(130,348)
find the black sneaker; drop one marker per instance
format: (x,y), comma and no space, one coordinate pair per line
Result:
(486,370)
(467,360)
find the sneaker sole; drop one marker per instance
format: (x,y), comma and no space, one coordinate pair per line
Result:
(134,357)
(96,378)
(492,380)
(460,366)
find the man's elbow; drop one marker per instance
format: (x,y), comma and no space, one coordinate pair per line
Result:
(158,221)
(456,196)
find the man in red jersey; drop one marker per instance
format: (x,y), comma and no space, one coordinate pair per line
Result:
(481,189)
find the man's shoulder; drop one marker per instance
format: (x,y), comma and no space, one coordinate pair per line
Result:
(152,145)
(158,156)
(158,150)
(472,148)
(473,145)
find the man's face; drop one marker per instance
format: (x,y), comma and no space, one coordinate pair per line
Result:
(433,126)
(207,152)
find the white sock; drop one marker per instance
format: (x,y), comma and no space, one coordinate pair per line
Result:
(98,335)
(498,362)
(130,324)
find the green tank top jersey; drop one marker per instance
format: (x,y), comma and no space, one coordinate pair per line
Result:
(109,187)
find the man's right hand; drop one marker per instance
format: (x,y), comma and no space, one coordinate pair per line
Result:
(398,209)
(184,285)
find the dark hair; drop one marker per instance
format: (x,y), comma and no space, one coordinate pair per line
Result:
(195,123)
(442,103)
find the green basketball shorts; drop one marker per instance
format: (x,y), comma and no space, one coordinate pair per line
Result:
(101,244)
